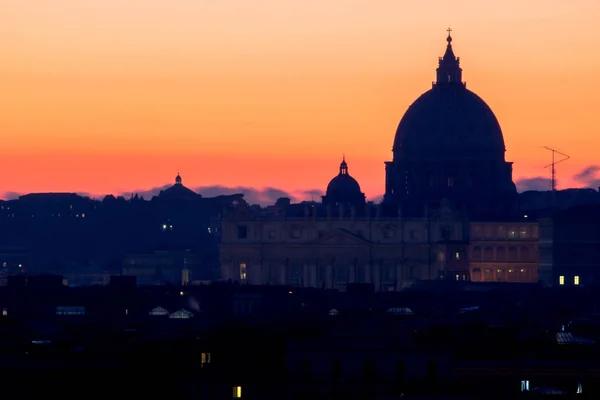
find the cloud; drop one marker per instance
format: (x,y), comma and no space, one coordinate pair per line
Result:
(536,183)
(589,176)
(10,195)
(263,196)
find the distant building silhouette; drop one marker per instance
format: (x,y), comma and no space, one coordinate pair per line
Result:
(344,190)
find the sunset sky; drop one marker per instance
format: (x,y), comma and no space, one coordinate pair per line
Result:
(114,96)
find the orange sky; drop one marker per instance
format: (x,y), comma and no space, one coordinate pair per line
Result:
(106,96)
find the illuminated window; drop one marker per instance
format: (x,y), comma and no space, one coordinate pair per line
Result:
(576,280)
(512,233)
(561,280)
(4,312)
(524,386)
(457,277)
(523,232)
(237,392)
(205,358)
(243,274)
(457,255)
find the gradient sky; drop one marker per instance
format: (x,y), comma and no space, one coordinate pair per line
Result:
(105,96)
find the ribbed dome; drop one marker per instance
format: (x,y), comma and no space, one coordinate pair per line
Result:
(343,186)
(449,122)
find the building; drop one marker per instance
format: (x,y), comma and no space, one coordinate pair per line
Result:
(570,247)
(504,251)
(312,245)
(449,145)
(449,212)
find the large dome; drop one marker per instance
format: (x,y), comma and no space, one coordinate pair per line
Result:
(449,122)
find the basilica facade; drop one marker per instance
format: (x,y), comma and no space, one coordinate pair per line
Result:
(447,187)
(325,246)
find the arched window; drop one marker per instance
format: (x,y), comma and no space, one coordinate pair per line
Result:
(525,254)
(441,256)
(243,272)
(333,312)
(489,275)
(501,254)
(499,275)
(476,255)
(512,254)
(488,253)
(476,275)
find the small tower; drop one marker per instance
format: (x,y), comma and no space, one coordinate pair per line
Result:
(178,179)
(449,70)
(343,167)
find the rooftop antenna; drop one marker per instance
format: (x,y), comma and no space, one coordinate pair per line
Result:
(554,162)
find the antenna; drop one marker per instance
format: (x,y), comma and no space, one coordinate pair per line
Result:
(554,162)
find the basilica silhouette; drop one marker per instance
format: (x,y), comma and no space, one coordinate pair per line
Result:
(450,210)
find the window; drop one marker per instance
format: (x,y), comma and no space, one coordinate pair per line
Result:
(512,233)
(576,280)
(243,274)
(457,255)
(525,254)
(67,310)
(450,181)
(523,232)
(477,253)
(488,253)
(242,232)
(4,312)
(272,234)
(561,280)
(205,359)
(501,254)
(237,392)
(524,386)
(441,256)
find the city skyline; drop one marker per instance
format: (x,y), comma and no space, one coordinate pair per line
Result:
(112,98)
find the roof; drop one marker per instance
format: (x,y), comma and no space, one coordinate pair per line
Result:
(449,122)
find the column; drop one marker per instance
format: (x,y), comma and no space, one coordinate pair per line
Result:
(377,276)
(399,275)
(329,277)
(305,275)
(368,271)
(282,273)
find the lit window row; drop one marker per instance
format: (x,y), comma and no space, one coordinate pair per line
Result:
(561,280)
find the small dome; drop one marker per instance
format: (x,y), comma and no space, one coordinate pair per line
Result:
(344,188)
